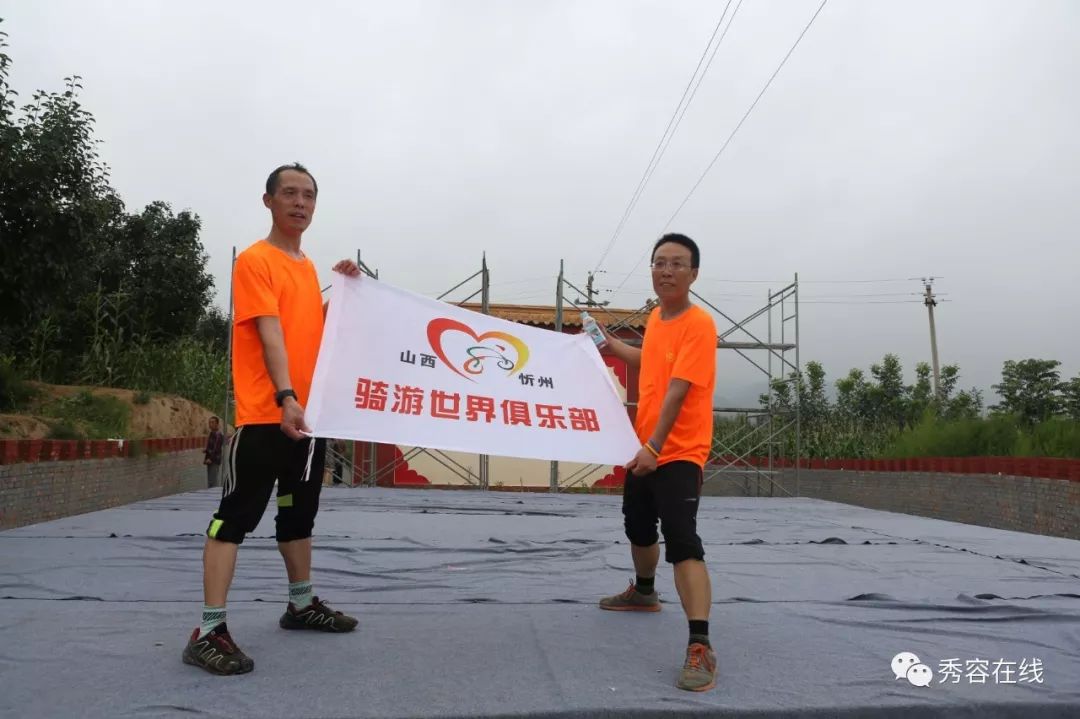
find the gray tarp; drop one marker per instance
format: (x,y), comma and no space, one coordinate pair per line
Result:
(483,604)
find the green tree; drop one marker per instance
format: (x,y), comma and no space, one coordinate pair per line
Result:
(213,330)
(1070,394)
(810,390)
(888,394)
(853,397)
(814,403)
(920,395)
(949,378)
(86,289)
(56,212)
(1030,389)
(158,261)
(967,404)
(88,292)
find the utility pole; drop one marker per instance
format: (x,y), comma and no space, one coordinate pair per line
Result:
(589,292)
(931,302)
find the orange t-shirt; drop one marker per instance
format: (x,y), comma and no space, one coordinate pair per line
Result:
(681,348)
(267,282)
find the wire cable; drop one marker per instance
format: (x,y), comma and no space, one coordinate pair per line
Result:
(672,126)
(735,131)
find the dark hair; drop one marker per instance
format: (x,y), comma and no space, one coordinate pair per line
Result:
(215,418)
(272,181)
(695,254)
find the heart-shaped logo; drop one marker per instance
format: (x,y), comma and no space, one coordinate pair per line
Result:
(504,351)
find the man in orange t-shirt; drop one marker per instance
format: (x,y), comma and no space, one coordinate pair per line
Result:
(677,362)
(277,330)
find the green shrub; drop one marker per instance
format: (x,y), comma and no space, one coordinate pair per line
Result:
(15,391)
(1056,437)
(64,429)
(100,416)
(995,436)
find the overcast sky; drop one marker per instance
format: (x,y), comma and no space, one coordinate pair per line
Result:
(901,139)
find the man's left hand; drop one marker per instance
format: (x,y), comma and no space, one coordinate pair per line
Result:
(644,462)
(347,268)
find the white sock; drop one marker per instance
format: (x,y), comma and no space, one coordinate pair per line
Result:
(300,594)
(211,617)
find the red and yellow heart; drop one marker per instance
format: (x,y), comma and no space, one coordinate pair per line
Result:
(488,347)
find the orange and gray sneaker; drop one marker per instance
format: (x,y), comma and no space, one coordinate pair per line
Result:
(217,653)
(699,672)
(317,616)
(632,601)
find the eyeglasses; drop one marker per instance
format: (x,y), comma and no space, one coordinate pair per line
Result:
(661,265)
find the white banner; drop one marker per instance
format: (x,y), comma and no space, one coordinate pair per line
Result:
(399,368)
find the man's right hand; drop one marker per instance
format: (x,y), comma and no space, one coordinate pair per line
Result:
(607,349)
(348,268)
(619,349)
(292,419)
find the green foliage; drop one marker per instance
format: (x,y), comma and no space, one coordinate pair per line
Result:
(15,392)
(187,367)
(999,435)
(64,429)
(158,263)
(1030,389)
(142,398)
(1056,437)
(89,293)
(100,416)
(936,437)
(869,412)
(1070,398)
(881,416)
(213,329)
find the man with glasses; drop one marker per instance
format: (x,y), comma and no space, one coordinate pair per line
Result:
(677,363)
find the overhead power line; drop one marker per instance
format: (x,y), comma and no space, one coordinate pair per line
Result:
(737,127)
(859,302)
(801,281)
(671,129)
(844,282)
(746,115)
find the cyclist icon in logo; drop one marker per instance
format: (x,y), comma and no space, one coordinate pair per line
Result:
(479,353)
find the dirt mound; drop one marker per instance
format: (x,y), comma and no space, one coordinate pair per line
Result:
(156,416)
(21,426)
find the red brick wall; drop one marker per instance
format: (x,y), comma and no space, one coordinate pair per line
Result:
(37,491)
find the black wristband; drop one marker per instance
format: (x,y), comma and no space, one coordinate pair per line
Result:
(279,398)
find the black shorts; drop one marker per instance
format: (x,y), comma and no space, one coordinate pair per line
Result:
(259,455)
(671,496)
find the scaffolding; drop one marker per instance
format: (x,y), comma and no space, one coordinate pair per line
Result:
(754,457)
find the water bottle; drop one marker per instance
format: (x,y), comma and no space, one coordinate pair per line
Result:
(594,331)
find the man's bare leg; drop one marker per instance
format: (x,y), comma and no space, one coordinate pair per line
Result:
(694,587)
(645,559)
(297,556)
(219,564)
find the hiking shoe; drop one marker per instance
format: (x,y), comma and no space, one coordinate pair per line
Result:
(318,616)
(632,601)
(217,653)
(699,672)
